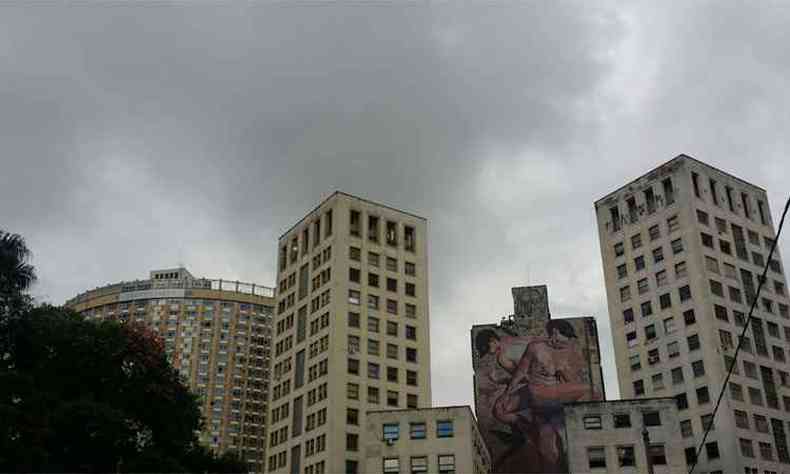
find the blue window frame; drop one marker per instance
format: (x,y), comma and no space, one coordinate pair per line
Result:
(444,429)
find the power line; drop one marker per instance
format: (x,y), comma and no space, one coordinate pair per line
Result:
(740,338)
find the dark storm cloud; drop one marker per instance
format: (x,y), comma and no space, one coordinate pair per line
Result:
(147,135)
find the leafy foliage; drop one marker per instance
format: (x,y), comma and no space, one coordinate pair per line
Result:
(84,396)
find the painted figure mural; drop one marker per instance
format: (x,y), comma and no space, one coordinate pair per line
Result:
(524,372)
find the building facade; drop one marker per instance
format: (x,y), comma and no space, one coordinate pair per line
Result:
(683,247)
(444,440)
(525,368)
(609,437)
(351,331)
(217,334)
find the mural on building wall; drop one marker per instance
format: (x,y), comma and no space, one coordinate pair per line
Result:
(525,369)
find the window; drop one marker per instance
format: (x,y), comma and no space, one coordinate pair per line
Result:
(622,271)
(658,254)
(626,456)
(409,268)
(411,310)
(392,465)
(392,351)
(673,349)
(691,455)
(392,284)
(373,324)
(411,377)
(354,223)
(688,317)
(392,306)
(650,332)
(729,271)
(628,316)
(755,396)
(411,332)
(647,309)
(373,395)
(741,419)
(707,239)
(639,388)
(392,233)
(698,368)
(392,398)
(760,424)
(661,278)
(635,362)
(353,344)
(444,429)
(702,217)
(353,366)
(673,224)
(695,183)
(658,381)
(712,264)
(373,228)
(703,396)
(354,254)
(446,464)
(712,450)
(592,422)
(669,191)
(654,231)
(639,263)
(758,259)
(353,297)
(392,374)
(409,238)
(353,320)
(392,328)
(736,391)
(619,249)
(651,418)
(657,455)
(686,430)
(392,264)
(411,354)
(373,302)
(766,452)
(677,246)
(682,401)
(352,442)
(642,286)
(391,431)
(417,430)
(636,241)
(693,342)
(677,375)
(726,339)
(630,339)
(373,370)
(419,464)
(597,457)
(749,369)
(373,280)
(354,275)
(665,301)
(622,420)
(720,312)
(352,391)
(352,416)
(735,294)
(747,447)
(410,289)
(685,293)
(725,247)
(373,259)
(680,270)
(730,362)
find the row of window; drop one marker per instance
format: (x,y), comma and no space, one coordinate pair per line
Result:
(354,276)
(625,455)
(654,232)
(391,233)
(374,260)
(417,430)
(374,371)
(290,254)
(652,202)
(718,200)
(650,331)
(445,464)
(393,397)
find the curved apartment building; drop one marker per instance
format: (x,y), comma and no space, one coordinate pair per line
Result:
(217,334)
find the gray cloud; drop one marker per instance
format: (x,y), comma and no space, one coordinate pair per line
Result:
(140,136)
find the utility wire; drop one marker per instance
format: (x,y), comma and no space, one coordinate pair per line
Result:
(740,338)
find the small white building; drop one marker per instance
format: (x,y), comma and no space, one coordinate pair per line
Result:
(442,440)
(612,437)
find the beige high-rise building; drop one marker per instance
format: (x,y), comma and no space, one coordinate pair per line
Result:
(443,440)
(351,331)
(683,247)
(217,334)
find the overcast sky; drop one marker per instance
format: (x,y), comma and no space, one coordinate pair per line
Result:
(140,136)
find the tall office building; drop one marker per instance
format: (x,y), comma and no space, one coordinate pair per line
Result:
(683,247)
(217,333)
(351,331)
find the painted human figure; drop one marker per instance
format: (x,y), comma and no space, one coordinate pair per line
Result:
(550,372)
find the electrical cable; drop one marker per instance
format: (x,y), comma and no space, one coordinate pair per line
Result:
(740,338)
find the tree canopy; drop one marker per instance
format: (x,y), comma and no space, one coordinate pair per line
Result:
(85,396)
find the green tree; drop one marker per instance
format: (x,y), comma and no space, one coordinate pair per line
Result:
(84,396)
